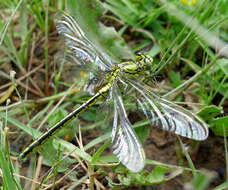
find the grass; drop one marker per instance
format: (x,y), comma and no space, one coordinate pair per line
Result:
(188,40)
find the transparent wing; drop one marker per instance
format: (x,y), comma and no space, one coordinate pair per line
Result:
(126,145)
(84,59)
(168,115)
(80,49)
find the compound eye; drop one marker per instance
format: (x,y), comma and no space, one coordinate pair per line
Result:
(148,59)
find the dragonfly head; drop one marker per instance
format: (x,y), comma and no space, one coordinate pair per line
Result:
(140,66)
(145,60)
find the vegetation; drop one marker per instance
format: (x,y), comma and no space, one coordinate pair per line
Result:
(188,42)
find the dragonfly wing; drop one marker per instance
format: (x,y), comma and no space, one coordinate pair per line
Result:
(85,62)
(126,145)
(79,48)
(168,115)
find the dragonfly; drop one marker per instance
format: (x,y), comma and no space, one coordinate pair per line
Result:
(113,80)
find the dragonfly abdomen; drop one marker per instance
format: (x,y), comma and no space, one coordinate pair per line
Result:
(102,93)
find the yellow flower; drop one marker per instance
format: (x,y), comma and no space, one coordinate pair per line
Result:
(194,3)
(189,2)
(185,2)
